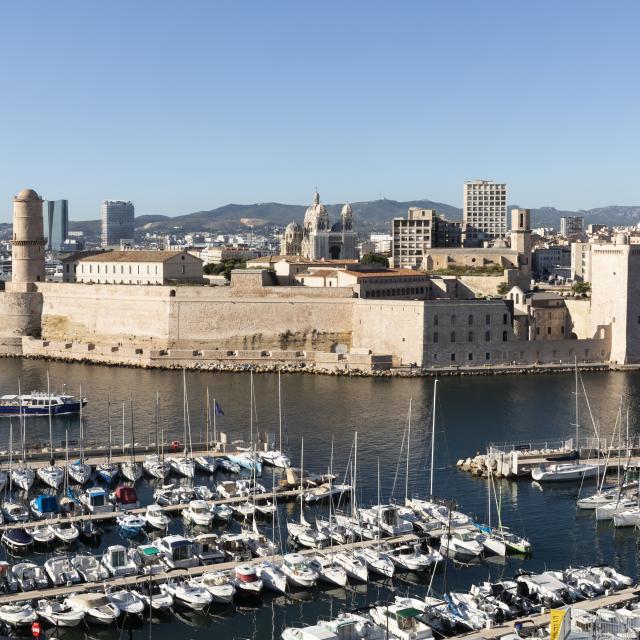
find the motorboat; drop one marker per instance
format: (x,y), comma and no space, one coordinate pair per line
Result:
(247,580)
(125,498)
(52,475)
(96,500)
(23,476)
(564,472)
(259,545)
(18,540)
(304,534)
(8,583)
(247,460)
(80,472)
(325,491)
(221,512)
(208,548)
(29,576)
(131,524)
(227,489)
(461,542)
(129,602)
(198,513)
(188,593)
(131,470)
(44,506)
(226,465)
(178,552)
(155,466)
(400,622)
(107,471)
(515,543)
(328,570)
(65,531)
(61,571)
(442,513)
(356,569)
(386,518)
(42,533)
(202,492)
(153,596)
(39,403)
(235,547)
(492,540)
(117,562)
(20,614)
(265,507)
(58,613)
(96,607)
(546,588)
(183,466)
(89,568)
(156,518)
(275,458)
(377,561)
(171,494)
(410,557)
(272,576)
(476,609)
(298,571)
(14,512)
(219,584)
(148,559)
(347,625)
(244,510)
(207,464)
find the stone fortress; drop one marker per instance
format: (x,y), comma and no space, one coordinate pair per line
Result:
(256,321)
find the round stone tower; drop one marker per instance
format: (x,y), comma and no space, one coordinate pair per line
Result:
(21,302)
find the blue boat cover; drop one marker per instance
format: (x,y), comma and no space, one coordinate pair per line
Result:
(46,504)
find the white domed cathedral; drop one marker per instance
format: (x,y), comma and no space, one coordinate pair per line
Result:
(318,239)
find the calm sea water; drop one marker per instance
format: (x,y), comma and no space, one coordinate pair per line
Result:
(471,411)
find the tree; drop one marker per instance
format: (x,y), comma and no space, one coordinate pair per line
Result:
(581,287)
(503,289)
(224,268)
(375,259)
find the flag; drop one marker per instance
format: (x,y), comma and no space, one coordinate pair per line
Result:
(218,409)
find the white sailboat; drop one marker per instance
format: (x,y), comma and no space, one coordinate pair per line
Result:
(154,464)
(208,463)
(23,475)
(276,457)
(52,475)
(184,465)
(12,511)
(79,471)
(108,470)
(132,469)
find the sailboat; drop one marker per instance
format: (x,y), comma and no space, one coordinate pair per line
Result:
(12,510)
(275,457)
(108,470)
(208,463)
(52,475)
(23,475)
(154,464)
(184,465)
(79,470)
(248,459)
(131,470)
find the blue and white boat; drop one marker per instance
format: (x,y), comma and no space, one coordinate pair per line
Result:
(131,524)
(96,500)
(44,506)
(39,403)
(246,460)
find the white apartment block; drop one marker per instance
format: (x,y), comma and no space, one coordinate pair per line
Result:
(571,224)
(484,211)
(581,261)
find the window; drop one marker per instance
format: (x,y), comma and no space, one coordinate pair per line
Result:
(504,318)
(453,357)
(548,331)
(435,336)
(504,336)
(487,319)
(470,356)
(537,331)
(435,319)
(453,320)
(453,336)
(182,269)
(470,336)
(487,356)
(470,319)
(487,336)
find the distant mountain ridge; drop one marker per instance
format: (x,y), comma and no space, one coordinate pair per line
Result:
(374,215)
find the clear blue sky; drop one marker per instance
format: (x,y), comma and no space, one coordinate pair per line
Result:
(183,106)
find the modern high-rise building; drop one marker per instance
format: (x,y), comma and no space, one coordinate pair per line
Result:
(484,211)
(117,222)
(56,224)
(422,229)
(570,225)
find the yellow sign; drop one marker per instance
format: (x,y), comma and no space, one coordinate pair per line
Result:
(555,626)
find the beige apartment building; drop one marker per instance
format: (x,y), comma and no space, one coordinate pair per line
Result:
(133,267)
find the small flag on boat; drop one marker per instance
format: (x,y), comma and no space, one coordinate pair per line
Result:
(218,409)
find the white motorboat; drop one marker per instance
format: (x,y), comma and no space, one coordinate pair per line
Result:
(221,512)
(65,531)
(493,541)
(156,467)
(244,510)
(303,534)
(29,576)
(209,548)
(183,466)
(14,512)
(23,477)
(131,524)
(42,533)
(325,491)
(58,613)
(328,570)
(275,458)
(410,557)
(207,464)
(546,587)
(148,559)
(514,542)
(96,607)
(156,518)
(129,602)
(564,472)
(227,489)
(198,513)
(131,470)
(432,510)
(247,580)
(463,542)
(17,615)
(79,472)
(116,561)
(387,519)
(219,585)
(61,571)
(89,568)
(355,568)
(377,561)
(178,552)
(125,498)
(400,622)
(298,570)
(346,625)
(188,593)
(235,547)
(52,475)
(153,596)
(272,576)
(96,500)
(18,540)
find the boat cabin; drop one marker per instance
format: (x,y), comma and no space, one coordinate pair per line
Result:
(97,500)
(208,548)
(117,562)
(126,498)
(235,547)
(178,552)
(45,506)
(149,559)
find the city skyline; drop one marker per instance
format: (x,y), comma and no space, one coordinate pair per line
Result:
(194,110)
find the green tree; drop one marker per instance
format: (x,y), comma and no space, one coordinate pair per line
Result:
(503,289)
(375,259)
(581,287)
(224,268)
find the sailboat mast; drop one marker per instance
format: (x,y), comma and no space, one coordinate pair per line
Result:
(22,436)
(184,408)
(50,425)
(133,437)
(577,447)
(301,477)
(354,499)
(379,511)
(81,430)
(10,455)
(208,417)
(251,408)
(123,428)
(406,478)
(157,424)
(433,434)
(215,433)
(280,412)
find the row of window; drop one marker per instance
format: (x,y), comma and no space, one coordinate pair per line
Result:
(470,319)
(470,336)
(385,293)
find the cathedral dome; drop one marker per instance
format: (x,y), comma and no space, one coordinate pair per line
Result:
(316,217)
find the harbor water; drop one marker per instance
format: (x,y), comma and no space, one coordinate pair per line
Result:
(470,412)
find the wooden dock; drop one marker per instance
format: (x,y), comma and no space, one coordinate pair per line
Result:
(132,581)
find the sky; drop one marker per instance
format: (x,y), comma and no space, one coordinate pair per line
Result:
(186,106)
